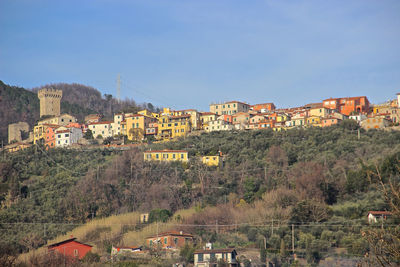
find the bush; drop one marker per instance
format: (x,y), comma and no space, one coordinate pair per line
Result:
(91,257)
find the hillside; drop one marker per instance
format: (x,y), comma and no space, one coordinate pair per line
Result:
(19,104)
(308,176)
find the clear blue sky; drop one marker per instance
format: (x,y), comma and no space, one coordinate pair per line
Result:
(187,54)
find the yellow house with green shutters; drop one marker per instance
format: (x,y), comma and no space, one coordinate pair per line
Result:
(170,127)
(136,126)
(166,155)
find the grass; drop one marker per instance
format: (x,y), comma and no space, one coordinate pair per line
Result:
(114,229)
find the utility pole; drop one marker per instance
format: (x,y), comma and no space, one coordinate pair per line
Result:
(272,227)
(119,87)
(293,240)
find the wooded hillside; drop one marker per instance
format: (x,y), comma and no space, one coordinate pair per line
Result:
(300,176)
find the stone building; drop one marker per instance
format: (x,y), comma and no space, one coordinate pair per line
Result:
(50,102)
(15,130)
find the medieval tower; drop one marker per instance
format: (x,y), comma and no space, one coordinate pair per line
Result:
(50,101)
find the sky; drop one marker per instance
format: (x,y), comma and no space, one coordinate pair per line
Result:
(190,53)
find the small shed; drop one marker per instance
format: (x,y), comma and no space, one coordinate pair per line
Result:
(374,216)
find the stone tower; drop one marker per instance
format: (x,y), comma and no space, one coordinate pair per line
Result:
(50,101)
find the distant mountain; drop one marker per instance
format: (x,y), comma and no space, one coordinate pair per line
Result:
(18,104)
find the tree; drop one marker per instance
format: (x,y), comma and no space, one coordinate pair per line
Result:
(385,243)
(187,253)
(88,134)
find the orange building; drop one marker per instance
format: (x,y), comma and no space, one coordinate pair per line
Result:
(348,105)
(49,136)
(325,122)
(263,107)
(169,240)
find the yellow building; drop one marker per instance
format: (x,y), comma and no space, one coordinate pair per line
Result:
(39,132)
(146,112)
(314,121)
(205,118)
(282,118)
(166,155)
(136,126)
(213,160)
(319,112)
(170,127)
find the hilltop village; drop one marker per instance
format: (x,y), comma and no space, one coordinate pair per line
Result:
(63,130)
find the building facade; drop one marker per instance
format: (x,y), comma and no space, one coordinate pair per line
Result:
(166,155)
(210,258)
(229,108)
(169,240)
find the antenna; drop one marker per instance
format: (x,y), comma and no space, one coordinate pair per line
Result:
(119,87)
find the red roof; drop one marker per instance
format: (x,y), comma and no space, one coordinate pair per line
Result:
(180,116)
(166,151)
(207,113)
(66,241)
(379,212)
(221,250)
(101,122)
(64,131)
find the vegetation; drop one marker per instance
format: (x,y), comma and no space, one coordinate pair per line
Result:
(321,181)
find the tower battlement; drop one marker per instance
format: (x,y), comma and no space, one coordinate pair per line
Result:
(50,101)
(49,92)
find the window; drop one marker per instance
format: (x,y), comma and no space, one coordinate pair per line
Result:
(182,156)
(59,142)
(105,126)
(169,124)
(212,257)
(173,156)
(200,257)
(183,130)
(59,136)
(165,240)
(76,253)
(151,243)
(157,156)
(66,135)
(175,241)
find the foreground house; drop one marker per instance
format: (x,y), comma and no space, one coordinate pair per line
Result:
(169,240)
(208,258)
(71,247)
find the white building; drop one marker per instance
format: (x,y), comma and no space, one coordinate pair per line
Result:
(103,128)
(116,127)
(218,125)
(210,257)
(358,118)
(67,136)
